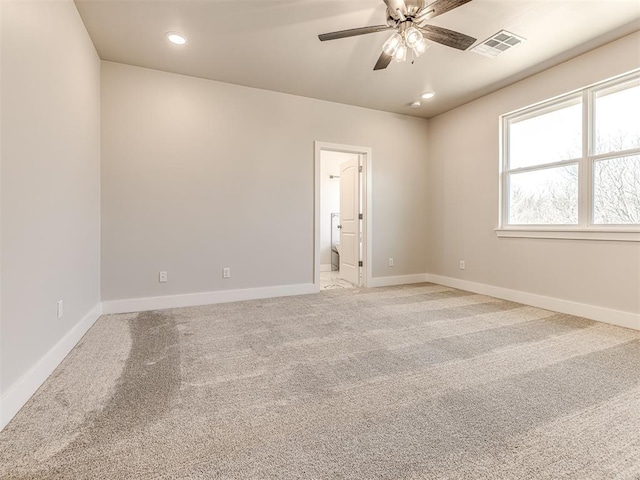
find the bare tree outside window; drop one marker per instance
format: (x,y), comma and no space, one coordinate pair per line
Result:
(616,191)
(546,197)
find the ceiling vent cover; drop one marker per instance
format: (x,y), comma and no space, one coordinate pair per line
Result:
(497,44)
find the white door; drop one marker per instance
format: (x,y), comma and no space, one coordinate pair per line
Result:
(350,222)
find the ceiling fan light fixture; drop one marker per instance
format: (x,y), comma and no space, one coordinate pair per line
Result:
(413,37)
(176,38)
(420,48)
(392,44)
(401,53)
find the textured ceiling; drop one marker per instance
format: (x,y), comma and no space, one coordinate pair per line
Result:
(273,45)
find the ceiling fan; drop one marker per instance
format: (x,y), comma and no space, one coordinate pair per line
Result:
(408,18)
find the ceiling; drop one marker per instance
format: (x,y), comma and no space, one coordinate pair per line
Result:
(273,45)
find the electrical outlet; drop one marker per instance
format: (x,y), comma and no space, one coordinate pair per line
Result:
(226,272)
(391,261)
(162,277)
(60,309)
(461,264)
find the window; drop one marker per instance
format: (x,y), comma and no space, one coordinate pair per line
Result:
(572,164)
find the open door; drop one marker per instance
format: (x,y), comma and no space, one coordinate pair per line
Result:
(358,230)
(350,222)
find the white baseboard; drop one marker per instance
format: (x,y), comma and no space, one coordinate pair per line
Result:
(204,298)
(20,392)
(326,267)
(601,314)
(398,280)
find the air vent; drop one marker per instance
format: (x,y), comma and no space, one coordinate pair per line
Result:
(497,44)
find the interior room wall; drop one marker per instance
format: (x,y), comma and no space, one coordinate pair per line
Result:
(199,175)
(463,205)
(50,194)
(329,198)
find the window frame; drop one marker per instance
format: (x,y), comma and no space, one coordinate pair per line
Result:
(585,228)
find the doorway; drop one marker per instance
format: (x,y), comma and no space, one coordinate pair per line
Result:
(342,220)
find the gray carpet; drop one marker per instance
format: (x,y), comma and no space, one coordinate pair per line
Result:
(411,382)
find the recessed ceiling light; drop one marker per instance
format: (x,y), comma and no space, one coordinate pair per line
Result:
(428,95)
(177,38)
(415,104)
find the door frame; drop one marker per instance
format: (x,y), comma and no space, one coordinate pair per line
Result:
(367,210)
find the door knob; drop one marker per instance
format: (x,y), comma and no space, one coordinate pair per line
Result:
(339,226)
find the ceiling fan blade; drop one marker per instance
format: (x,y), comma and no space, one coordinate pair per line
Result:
(447,37)
(441,6)
(383,61)
(353,32)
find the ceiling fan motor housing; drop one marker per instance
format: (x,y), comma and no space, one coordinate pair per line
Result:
(401,11)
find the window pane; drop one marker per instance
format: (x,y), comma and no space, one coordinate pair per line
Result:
(547,138)
(617,116)
(616,191)
(544,197)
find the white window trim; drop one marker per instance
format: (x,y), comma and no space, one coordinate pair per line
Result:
(566,233)
(585,229)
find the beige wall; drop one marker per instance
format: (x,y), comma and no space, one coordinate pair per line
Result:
(199,175)
(50,195)
(463,198)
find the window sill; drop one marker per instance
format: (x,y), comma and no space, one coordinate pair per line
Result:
(600,234)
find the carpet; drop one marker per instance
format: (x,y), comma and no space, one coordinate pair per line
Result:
(409,382)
